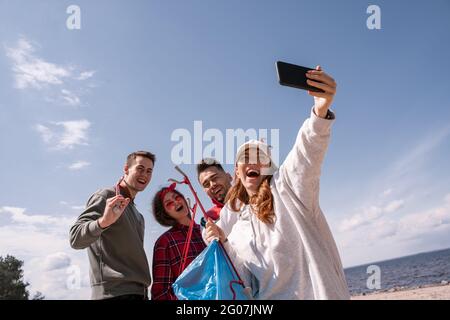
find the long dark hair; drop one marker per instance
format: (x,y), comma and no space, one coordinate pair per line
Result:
(160,214)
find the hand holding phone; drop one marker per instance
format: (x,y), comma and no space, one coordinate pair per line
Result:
(294,76)
(319,84)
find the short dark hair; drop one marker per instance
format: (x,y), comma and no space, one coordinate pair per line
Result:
(132,156)
(207,163)
(160,214)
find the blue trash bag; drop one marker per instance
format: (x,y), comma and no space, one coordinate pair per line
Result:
(208,277)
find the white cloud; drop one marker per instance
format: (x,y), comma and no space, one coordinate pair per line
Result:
(65,134)
(394,206)
(59,83)
(426,222)
(31,71)
(353,222)
(397,218)
(386,235)
(42,242)
(73,207)
(75,133)
(18,215)
(57,284)
(381,230)
(86,75)
(78,165)
(70,97)
(55,261)
(369,214)
(46,134)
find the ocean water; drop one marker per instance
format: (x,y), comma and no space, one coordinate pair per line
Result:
(408,272)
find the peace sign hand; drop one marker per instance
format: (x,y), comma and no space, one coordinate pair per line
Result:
(114,209)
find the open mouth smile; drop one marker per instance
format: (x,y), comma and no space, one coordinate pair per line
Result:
(217,192)
(252,173)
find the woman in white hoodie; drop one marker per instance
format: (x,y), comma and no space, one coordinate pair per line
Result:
(272,226)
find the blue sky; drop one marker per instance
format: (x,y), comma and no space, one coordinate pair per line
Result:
(74,103)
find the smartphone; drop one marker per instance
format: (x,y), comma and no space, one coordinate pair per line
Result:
(294,76)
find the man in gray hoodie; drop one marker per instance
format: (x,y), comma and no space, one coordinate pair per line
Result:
(112,230)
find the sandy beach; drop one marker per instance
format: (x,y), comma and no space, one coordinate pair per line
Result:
(436,292)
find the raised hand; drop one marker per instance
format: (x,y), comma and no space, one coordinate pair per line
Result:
(114,209)
(322,100)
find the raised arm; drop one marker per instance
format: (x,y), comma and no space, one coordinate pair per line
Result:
(86,229)
(99,214)
(300,172)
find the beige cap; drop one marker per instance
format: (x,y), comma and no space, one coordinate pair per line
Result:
(263,148)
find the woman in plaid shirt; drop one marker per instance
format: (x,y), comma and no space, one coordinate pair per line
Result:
(171,210)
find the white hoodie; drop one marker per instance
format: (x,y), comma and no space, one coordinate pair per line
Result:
(296,257)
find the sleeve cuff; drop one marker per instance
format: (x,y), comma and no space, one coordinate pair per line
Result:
(322,125)
(94,228)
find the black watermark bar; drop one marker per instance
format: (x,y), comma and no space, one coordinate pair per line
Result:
(224,309)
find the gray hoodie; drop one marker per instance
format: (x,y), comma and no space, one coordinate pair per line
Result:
(118,263)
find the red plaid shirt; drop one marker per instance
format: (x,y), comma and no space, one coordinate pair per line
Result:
(167,255)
